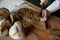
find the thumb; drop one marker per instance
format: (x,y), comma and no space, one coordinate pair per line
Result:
(44,18)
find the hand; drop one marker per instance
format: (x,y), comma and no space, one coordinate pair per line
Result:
(45,14)
(43,2)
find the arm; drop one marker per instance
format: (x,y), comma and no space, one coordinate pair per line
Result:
(54,6)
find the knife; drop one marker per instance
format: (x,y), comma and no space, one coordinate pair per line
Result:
(42,15)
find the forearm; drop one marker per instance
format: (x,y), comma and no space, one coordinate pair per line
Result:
(54,6)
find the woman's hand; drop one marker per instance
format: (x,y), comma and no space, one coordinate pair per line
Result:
(43,2)
(45,14)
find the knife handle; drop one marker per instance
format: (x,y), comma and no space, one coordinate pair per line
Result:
(42,8)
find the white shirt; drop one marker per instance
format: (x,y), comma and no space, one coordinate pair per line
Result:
(54,6)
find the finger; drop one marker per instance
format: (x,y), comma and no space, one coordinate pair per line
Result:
(44,13)
(43,19)
(41,3)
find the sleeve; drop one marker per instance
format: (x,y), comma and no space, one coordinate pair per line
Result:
(54,6)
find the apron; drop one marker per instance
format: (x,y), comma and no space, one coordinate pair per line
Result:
(35,2)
